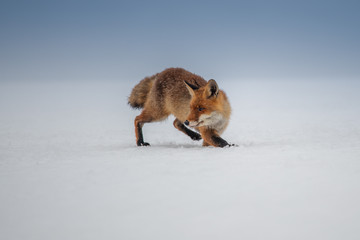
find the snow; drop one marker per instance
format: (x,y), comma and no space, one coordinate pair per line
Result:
(69,167)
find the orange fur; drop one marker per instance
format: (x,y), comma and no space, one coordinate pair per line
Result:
(170,92)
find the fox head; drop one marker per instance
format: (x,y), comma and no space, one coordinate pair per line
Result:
(208,106)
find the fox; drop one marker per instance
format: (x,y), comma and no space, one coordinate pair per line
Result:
(195,103)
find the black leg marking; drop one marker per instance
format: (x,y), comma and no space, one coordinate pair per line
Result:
(219,141)
(140,141)
(193,135)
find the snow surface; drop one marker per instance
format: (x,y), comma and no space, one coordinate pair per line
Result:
(69,167)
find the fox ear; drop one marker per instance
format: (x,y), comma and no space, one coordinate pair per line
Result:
(212,88)
(191,88)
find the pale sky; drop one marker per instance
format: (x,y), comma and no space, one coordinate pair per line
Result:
(95,40)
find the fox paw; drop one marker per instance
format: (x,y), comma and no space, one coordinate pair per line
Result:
(196,137)
(143,144)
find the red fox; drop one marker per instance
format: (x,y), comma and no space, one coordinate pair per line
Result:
(192,100)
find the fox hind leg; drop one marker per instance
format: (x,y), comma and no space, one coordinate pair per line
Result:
(139,123)
(146,117)
(180,126)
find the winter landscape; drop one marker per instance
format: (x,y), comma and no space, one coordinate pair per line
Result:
(70,168)
(69,165)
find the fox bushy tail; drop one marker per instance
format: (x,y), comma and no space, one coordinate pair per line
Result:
(140,92)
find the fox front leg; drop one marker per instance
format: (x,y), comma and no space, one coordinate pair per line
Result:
(212,138)
(180,126)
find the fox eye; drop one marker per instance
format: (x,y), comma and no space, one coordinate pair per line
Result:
(200,109)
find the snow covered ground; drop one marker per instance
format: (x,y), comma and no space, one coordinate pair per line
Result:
(69,167)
